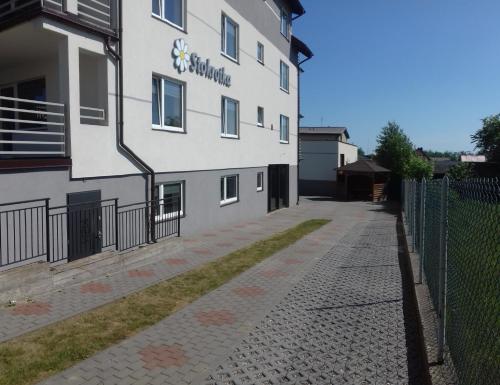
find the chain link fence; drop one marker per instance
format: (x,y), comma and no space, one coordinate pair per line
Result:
(455,229)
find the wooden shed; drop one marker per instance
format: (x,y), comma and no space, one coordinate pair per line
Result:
(362,180)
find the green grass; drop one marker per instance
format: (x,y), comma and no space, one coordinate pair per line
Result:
(45,352)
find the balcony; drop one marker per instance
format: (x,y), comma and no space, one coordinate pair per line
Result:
(31,129)
(92,14)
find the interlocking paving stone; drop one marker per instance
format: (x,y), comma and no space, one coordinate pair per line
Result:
(340,317)
(68,300)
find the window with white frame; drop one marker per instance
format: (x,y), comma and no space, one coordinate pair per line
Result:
(284,76)
(230,118)
(230,38)
(171,11)
(284,129)
(285,23)
(260,52)
(260,181)
(167,104)
(260,116)
(168,197)
(229,189)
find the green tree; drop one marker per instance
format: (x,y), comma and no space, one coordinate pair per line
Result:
(460,171)
(394,150)
(361,153)
(487,139)
(418,168)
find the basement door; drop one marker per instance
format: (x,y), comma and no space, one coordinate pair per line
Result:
(84,224)
(278,186)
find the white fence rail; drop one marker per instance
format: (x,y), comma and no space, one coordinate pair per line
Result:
(96,12)
(31,127)
(91,115)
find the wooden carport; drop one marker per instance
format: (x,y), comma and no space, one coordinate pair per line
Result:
(362,180)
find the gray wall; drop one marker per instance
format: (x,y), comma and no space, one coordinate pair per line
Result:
(260,16)
(56,184)
(202,192)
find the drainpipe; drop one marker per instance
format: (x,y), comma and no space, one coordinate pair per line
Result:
(118,57)
(300,70)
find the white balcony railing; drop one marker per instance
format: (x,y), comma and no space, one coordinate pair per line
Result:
(10,6)
(91,115)
(31,128)
(96,12)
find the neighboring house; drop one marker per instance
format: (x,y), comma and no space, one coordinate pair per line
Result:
(441,166)
(473,158)
(195,101)
(322,151)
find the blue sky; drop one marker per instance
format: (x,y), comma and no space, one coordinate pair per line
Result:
(431,65)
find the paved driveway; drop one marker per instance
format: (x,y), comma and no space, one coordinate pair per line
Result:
(331,309)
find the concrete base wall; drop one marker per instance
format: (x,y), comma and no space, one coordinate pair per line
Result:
(317,188)
(202,209)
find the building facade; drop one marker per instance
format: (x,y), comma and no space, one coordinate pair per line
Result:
(146,100)
(322,151)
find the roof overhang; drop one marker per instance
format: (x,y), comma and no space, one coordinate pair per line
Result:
(296,7)
(302,47)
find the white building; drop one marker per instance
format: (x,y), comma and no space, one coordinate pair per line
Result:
(322,151)
(193,98)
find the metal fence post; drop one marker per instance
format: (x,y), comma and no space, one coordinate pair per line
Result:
(179,216)
(47,228)
(423,186)
(117,246)
(443,238)
(414,218)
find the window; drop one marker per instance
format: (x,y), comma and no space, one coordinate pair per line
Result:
(284,129)
(230,118)
(260,181)
(260,116)
(260,53)
(167,103)
(229,189)
(284,77)
(285,24)
(167,197)
(342,160)
(171,11)
(230,37)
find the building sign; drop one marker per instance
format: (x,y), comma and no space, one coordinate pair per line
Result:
(184,61)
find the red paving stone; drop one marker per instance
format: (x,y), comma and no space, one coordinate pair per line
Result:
(95,288)
(34,308)
(274,273)
(293,261)
(140,273)
(176,261)
(249,291)
(163,357)
(215,317)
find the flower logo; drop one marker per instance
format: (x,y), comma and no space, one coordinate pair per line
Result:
(181,55)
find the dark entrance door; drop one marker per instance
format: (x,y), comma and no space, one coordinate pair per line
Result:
(278,182)
(84,224)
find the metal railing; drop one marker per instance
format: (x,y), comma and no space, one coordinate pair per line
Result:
(96,12)
(455,229)
(34,231)
(91,115)
(134,222)
(31,127)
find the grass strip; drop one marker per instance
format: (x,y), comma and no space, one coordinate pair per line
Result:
(47,351)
